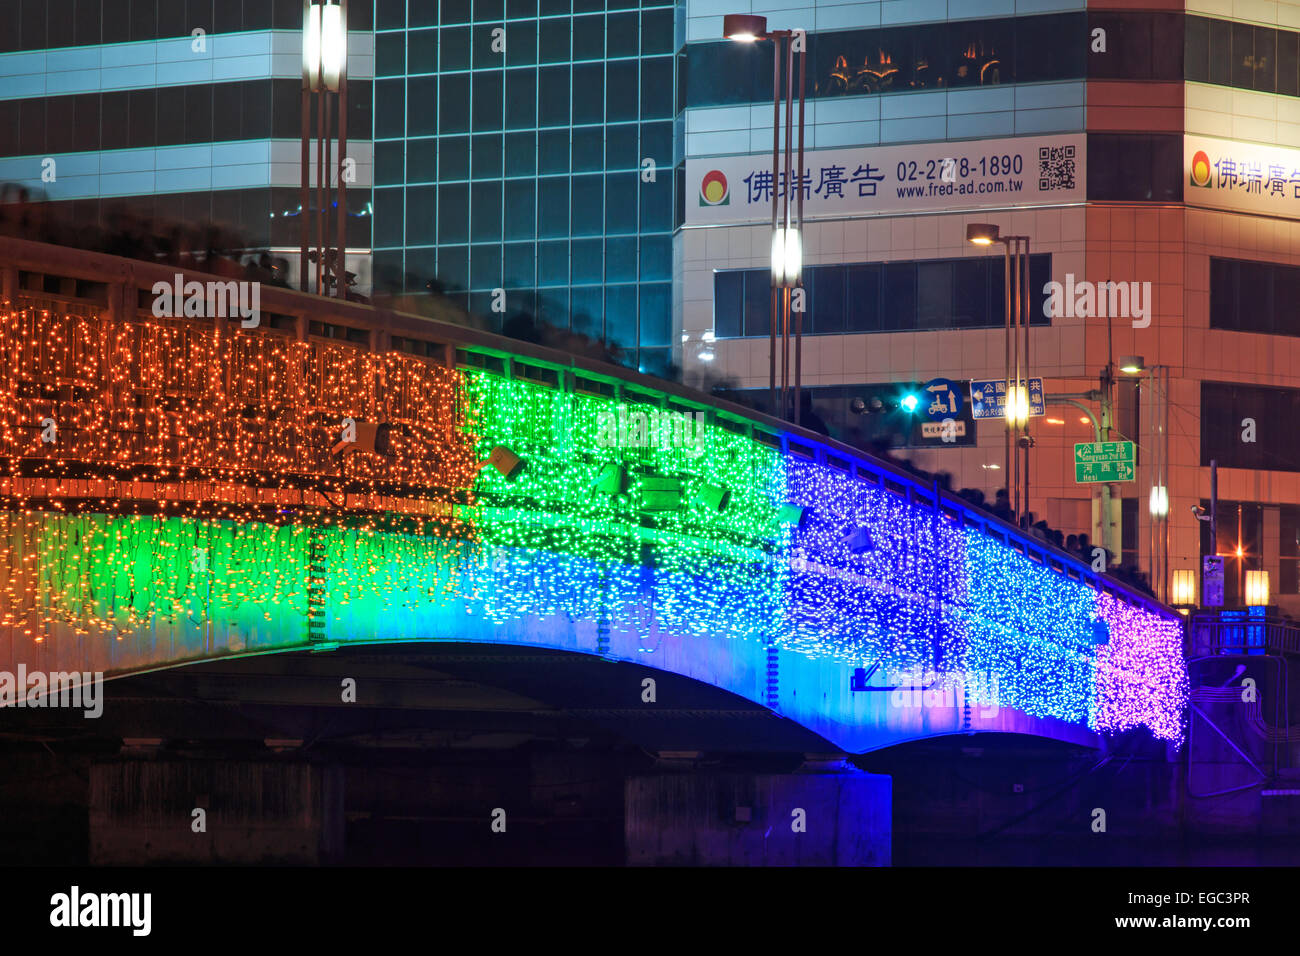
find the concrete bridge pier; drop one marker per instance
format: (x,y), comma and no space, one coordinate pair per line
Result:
(827,813)
(148,810)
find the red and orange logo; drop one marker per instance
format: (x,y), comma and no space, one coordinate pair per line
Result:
(714,190)
(1201,169)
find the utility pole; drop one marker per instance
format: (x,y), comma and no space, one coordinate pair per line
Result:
(1107,423)
(1214,506)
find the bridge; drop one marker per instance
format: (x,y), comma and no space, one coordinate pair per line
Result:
(186,489)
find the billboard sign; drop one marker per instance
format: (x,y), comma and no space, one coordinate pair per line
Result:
(866,180)
(1245,177)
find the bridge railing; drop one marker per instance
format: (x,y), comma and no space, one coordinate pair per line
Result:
(33,273)
(1242,632)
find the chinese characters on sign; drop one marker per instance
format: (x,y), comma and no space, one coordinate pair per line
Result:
(1243,176)
(989,399)
(1103,461)
(830,184)
(886,179)
(1212,581)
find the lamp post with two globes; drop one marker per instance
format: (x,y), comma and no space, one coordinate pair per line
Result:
(1017,414)
(324,72)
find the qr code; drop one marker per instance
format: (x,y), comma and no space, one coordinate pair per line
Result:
(1055,167)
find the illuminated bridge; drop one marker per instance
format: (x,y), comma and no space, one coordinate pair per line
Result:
(183,489)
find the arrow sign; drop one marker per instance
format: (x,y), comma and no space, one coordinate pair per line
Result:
(1096,461)
(989,398)
(942,399)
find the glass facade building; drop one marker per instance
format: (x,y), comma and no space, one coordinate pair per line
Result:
(527,146)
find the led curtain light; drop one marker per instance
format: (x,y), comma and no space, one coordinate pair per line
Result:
(176,497)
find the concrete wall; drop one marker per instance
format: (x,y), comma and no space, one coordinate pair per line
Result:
(751,819)
(141,812)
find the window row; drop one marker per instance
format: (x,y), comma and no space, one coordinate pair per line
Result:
(398,14)
(1250,296)
(533,265)
(635,319)
(551,208)
(616,92)
(1241,55)
(603,310)
(166,116)
(550,264)
(580,149)
(1133,46)
(525,43)
(260,217)
(964,53)
(881,297)
(47,24)
(1224,438)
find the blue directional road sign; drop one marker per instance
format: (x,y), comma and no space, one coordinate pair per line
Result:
(942,399)
(989,399)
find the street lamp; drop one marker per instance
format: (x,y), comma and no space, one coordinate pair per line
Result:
(1017,400)
(1158,540)
(1182,592)
(744,27)
(982,233)
(787,227)
(324,77)
(1257,588)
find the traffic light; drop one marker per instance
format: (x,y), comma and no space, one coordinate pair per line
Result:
(906,400)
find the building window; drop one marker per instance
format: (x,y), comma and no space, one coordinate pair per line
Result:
(1128,532)
(1141,167)
(1138,46)
(1240,55)
(1231,414)
(881,297)
(1240,543)
(962,53)
(1250,296)
(1289,550)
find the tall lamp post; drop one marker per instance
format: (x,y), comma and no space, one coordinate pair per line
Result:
(1017,369)
(1158,403)
(787,230)
(324,72)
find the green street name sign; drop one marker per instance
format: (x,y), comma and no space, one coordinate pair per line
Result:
(1104,461)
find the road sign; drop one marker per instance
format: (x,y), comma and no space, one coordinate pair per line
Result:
(1212,581)
(989,399)
(942,399)
(1104,461)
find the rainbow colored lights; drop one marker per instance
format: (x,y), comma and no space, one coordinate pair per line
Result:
(141,571)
